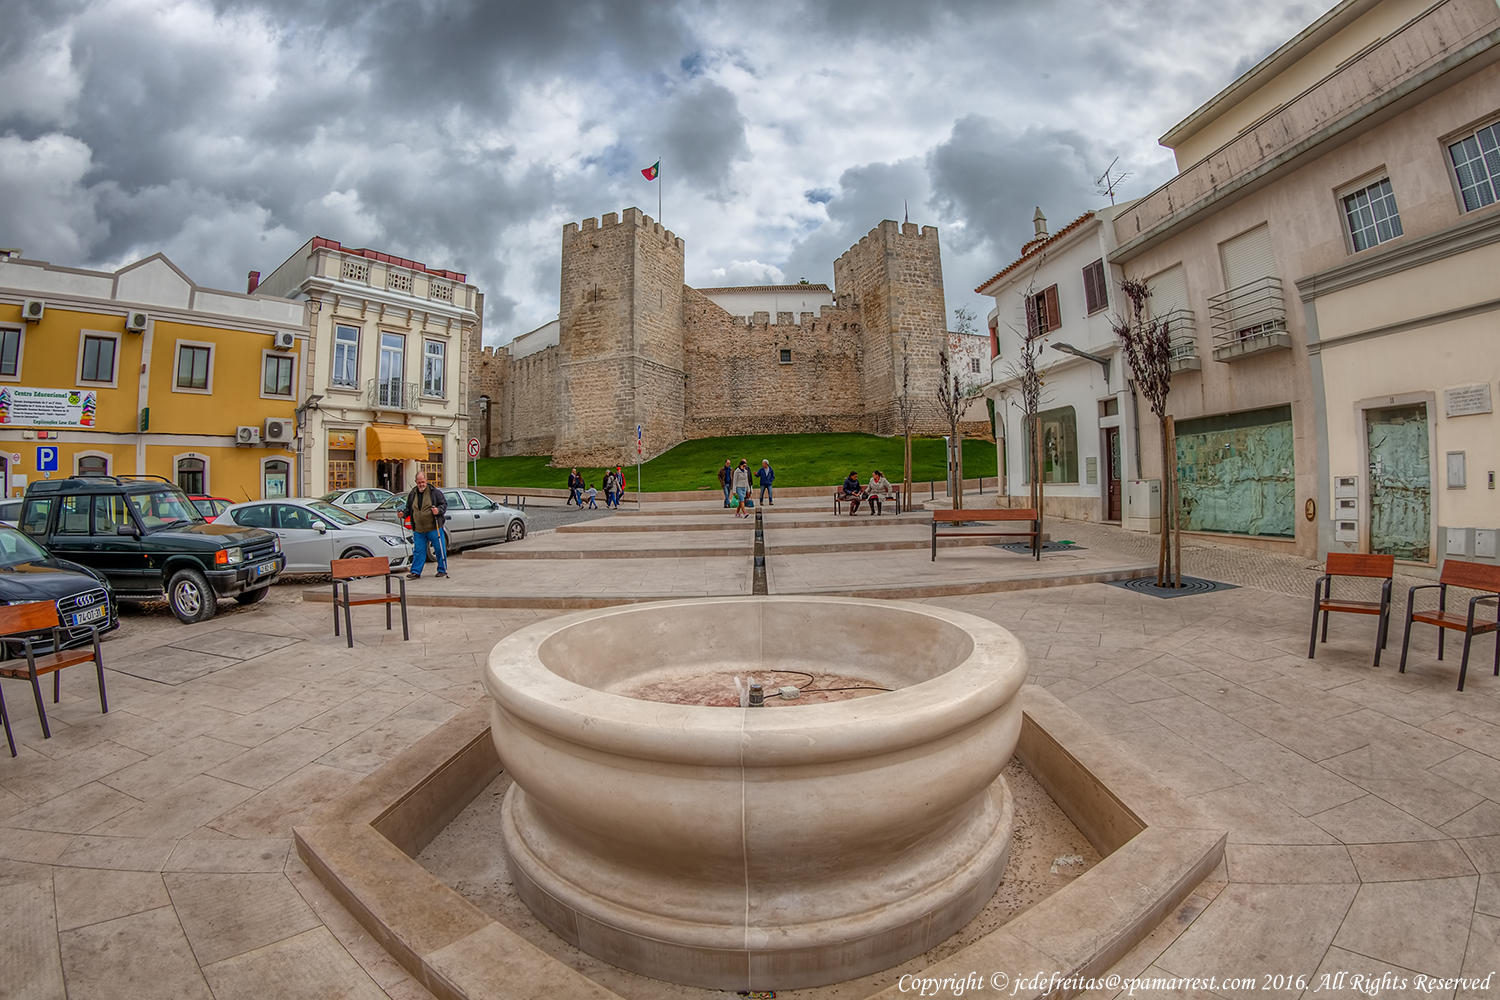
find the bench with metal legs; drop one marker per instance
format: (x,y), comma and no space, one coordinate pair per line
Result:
(345,570)
(19,625)
(1471,576)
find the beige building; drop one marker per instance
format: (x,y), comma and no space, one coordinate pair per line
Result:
(386,382)
(1353,170)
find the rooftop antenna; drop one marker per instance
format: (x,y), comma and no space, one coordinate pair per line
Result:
(1105,184)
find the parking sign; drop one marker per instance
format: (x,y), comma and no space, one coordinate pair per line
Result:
(46,458)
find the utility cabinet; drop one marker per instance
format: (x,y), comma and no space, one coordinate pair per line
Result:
(1143,505)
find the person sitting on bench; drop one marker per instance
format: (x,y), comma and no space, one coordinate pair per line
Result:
(851,491)
(877,492)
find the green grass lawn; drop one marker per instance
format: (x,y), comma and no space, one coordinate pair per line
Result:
(799,460)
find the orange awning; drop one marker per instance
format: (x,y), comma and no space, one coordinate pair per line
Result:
(391,441)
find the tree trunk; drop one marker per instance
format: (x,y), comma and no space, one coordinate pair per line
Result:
(906,472)
(1036,445)
(1176,504)
(958,468)
(1163,556)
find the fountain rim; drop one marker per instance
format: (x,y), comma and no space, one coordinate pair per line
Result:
(526,692)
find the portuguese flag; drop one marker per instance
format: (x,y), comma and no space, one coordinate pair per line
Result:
(651,172)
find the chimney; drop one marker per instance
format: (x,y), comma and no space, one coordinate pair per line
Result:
(254,282)
(1039,222)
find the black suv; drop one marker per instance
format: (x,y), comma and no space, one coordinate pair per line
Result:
(148,539)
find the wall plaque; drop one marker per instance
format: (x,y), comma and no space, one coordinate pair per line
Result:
(1462,400)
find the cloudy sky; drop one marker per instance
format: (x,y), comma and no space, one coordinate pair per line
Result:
(465,133)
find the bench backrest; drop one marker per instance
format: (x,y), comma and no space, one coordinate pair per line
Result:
(352,569)
(1471,575)
(986,514)
(1357,564)
(29,617)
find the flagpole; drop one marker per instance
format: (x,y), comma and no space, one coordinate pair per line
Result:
(658,194)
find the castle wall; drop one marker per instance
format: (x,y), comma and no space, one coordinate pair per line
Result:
(737,383)
(895,274)
(620,344)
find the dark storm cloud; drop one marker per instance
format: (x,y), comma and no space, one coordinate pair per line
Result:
(704,134)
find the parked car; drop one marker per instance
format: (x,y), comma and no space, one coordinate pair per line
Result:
(149,541)
(473,519)
(360,501)
(314,533)
(83,596)
(10,512)
(210,507)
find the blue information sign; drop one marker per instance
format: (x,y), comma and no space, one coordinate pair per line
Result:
(46,458)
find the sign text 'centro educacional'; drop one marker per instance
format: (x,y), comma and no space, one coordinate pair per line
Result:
(20,406)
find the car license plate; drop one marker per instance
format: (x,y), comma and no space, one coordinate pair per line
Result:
(266,567)
(88,615)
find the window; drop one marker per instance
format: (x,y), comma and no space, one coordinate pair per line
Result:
(74,514)
(258,516)
(786,355)
(434,354)
(392,369)
(276,374)
(346,355)
(93,465)
(191,475)
(1042,312)
(994,340)
(974,365)
(1059,446)
(1095,288)
(194,367)
(10,352)
(275,474)
(1476,162)
(109,514)
(1371,214)
(97,363)
(37,513)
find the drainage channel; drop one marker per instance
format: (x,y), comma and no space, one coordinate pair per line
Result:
(758,582)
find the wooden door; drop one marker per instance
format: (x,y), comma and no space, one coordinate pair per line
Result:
(1112,473)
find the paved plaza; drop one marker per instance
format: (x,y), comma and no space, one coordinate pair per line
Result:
(147,853)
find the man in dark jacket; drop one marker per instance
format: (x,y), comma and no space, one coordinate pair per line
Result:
(767,476)
(725,474)
(575,489)
(427,508)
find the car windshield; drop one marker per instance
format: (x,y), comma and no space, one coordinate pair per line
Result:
(16,548)
(394,502)
(162,508)
(331,497)
(337,515)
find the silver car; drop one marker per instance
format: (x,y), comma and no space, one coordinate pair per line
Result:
(360,501)
(314,533)
(473,519)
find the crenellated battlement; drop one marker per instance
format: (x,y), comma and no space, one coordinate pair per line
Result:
(630,217)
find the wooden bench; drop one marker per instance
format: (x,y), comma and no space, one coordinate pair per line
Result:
(345,570)
(1471,576)
(839,500)
(19,624)
(1375,567)
(989,515)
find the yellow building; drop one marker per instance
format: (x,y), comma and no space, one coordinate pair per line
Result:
(140,371)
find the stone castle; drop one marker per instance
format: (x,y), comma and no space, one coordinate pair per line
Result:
(636,347)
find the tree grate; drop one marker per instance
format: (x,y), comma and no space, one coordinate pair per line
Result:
(1190,585)
(1024,548)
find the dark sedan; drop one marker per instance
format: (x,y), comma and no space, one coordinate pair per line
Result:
(83,597)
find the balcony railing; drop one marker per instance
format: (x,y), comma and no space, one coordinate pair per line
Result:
(392,394)
(1249,319)
(1182,328)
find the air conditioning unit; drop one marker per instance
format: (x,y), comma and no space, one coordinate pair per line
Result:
(284,340)
(136,322)
(33,310)
(278,431)
(247,435)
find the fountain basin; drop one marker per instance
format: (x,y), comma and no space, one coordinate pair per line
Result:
(756,848)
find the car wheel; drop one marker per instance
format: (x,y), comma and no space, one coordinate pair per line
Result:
(255,596)
(190,596)
(356,553)
(516,531)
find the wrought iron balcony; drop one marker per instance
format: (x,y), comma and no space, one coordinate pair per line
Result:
(392,394)
(1249,319)
(1182,327)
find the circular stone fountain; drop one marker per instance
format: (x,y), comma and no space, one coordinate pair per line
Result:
(751,848)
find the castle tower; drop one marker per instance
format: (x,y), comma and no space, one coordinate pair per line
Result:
(620,360)
(895,276)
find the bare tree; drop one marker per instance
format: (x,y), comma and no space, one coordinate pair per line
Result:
(1148,349)
(954,393)
(1023,372)
(906,415)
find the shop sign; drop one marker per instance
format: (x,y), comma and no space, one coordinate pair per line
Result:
(20,406)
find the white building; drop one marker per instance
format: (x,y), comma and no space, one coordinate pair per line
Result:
(746,301)
(1063,289)
(387,377)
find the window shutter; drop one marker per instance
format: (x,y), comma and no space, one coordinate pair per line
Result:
(1054,314)
(1095,295)
(994,341)
(1248,257)
(1168,292)
(1031,317)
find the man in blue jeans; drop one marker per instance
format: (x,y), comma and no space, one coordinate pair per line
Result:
(427,508)
(767,476)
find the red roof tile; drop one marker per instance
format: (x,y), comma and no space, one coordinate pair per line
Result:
(1029,254)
